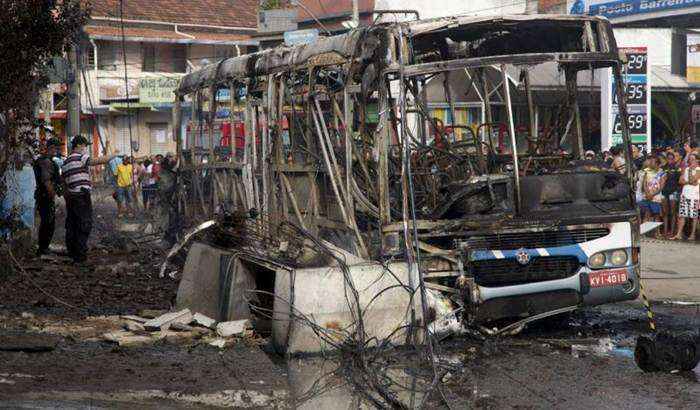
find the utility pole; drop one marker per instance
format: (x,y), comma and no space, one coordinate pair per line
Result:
(73,93)
(356,13)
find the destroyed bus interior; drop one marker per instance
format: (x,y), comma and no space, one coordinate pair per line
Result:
(334,158)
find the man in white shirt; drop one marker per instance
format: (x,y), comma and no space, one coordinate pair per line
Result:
(76,178)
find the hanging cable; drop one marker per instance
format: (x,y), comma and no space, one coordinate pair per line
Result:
(92,109)
(126,78)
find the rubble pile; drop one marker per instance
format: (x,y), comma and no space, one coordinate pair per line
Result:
(153,326)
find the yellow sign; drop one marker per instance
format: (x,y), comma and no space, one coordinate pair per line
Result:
(694,75)
(158,90)
(693,71)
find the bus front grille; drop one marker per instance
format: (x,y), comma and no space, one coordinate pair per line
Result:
(535,239)
(507,272)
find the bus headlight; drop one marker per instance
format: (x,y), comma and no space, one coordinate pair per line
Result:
(618,257)
(597,260)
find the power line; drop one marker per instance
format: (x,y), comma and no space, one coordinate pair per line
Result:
(126,78)
(92,109)
(169,60)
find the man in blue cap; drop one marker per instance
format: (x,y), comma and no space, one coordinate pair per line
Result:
(78,187)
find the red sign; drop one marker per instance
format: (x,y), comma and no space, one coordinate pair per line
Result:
(605,278)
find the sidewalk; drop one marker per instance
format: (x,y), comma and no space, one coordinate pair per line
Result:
(671,270)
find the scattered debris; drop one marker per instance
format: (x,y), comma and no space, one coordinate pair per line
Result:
(163,322)
(218,342)
(58,249)
(665,352)
(603,347)
(183,242)
(124,267)
(129,227)
(680,303)
(203,320)
(151,313)
(234,328)
(223,398)
(127,339)
(180,327)
(6,378)
(28,342)
(133,326)
(138,319)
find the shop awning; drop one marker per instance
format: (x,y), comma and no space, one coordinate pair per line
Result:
(548,77)
(62,115)
(122,106)
(662,79)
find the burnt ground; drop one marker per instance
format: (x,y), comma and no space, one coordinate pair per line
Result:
(120,277)
(537,369)
(579,361)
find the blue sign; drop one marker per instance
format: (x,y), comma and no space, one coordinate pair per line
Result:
(223,94)
(622,8)
(293,38)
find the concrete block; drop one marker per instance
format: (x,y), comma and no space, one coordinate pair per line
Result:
(214,283)
(235,328)
(127,339)
(163,322)
(204,321)
(319,294)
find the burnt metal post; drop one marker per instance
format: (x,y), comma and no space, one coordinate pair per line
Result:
(511,132)
(532,113)
(624,121)
(487,103)
(347,118)
(177,126)
(233,102)
(572,102)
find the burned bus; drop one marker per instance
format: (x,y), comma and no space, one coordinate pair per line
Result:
(345,188)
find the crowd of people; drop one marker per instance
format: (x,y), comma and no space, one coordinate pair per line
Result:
(132,178)
(70,177)
(667,186)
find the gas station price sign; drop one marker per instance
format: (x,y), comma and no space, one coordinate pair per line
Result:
(637,94)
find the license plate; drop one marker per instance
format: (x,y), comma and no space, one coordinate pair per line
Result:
(606,278)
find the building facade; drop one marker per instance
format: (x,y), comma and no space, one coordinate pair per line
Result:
(129,63)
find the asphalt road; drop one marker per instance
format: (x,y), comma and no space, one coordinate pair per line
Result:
(671,270)
(579,362)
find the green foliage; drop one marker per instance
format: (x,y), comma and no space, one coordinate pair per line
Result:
(270,4)
(31,32)
(673,111)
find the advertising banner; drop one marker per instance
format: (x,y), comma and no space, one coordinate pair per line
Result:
(297,37)
(623,8)
(158,90)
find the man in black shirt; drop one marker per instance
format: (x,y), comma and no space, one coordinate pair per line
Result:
(48,185)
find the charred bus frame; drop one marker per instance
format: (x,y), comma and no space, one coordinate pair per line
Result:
(389,183)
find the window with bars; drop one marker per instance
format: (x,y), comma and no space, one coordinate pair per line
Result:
(88,56)
(107,56)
